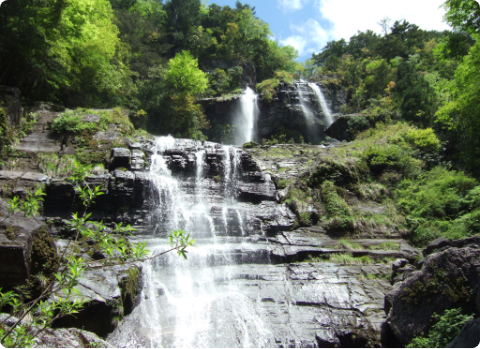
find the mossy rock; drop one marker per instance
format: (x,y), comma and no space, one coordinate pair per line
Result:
(250,145)
(341,172)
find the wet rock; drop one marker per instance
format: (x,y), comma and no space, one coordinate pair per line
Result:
(469,336)
(447,279)
(60,198)
(120,158)
(138,162)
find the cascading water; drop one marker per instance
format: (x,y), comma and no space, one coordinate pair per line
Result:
(245,121)
(196,302)
(323,103)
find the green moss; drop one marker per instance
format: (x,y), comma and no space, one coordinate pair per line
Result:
(12,232)
(453,286)
(389,245)
(345,243)
(251,145)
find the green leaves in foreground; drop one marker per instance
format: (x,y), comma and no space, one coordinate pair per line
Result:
(181,240)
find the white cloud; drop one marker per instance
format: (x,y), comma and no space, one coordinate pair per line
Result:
(349,16)
(292,5)
(308,37)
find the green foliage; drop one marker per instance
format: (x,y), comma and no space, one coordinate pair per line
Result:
(423,139)
(439,204)
(267,88)
(71,122)
(383,157)
(345,243)
(445,329)
(459,116)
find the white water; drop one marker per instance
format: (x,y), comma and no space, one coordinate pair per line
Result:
(246,118)
(194,302)
(323,103)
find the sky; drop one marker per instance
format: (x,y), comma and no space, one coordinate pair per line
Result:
(308,25)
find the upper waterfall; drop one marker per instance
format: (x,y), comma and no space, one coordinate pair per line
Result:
(245,121)
(323,102)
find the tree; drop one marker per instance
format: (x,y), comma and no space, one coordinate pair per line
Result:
(461,114)
(415,94)
(463,14)
(184,76)
(182,17)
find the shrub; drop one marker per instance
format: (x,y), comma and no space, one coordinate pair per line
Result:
(444,331)
(340,172)
(423,139)
(382,157)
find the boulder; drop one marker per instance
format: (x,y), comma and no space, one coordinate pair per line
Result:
(435,245)
(339,129)
(448,279)
(25,249)
(59,338)
(109,293)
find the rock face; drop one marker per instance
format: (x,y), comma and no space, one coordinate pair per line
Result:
(42,140)
(245,284)
(448,279)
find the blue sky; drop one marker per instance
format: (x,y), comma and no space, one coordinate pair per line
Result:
(309,24)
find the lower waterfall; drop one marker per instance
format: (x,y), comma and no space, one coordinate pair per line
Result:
(201,301)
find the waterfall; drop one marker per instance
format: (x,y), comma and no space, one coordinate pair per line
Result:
(323,103)
(196,302)
(245,122)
